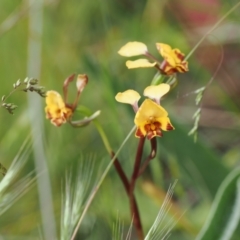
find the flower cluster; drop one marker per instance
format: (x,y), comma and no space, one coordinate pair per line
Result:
(58,111)
(150,117)
(173,59)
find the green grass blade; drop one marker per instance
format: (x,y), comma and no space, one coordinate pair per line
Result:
(225,213)
(73,200)
(159,230)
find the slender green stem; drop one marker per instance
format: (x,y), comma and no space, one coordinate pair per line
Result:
(116,163)
(212,29)
(123,177)
(92,195)
(103,136)
(13,91)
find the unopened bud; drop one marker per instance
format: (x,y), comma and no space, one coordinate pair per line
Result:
(82,81)
(13,107)
(18,83)
(26,80)
(38,88)
(33,81)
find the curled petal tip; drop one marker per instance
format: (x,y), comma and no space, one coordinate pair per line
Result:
(68,80)
(169,127)
(82,81)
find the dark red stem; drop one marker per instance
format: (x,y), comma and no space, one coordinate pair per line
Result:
(121,173)
(133,203)
(137,164)
(150,156)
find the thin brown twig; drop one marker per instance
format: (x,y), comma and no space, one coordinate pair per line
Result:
(150,156)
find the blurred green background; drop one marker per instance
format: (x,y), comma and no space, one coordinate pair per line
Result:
(84,37)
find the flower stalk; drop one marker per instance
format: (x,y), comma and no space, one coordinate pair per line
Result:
(136,217)
(151,156)
(125,181)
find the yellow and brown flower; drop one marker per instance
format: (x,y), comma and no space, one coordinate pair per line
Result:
(173,58)
(150,118)
(58,111)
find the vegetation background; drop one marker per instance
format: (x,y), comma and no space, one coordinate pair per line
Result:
(84,37)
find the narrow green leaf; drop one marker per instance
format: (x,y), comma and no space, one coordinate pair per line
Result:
(225,212)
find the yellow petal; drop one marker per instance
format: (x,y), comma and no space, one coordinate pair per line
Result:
(156,92)
(139,63)
(179,56)
(54,99)
(167,53)
(133,49)
(129,97)
(148,112)
(163,48)
(166,124)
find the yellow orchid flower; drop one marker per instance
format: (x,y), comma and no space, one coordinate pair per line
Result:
(150,118)
(173,58)
(56,110)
